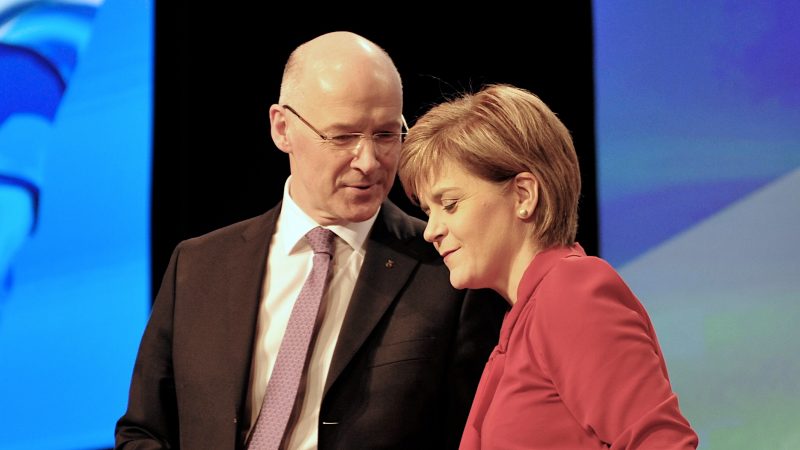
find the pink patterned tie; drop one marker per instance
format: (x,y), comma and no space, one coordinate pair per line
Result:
(284,382)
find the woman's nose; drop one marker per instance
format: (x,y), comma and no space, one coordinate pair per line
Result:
(434,230)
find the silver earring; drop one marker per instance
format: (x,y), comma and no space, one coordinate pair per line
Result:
(523,213)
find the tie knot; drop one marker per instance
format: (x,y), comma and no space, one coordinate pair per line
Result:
(321,240)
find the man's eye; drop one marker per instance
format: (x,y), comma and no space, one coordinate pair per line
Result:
(344,140)
(449,205)
(386,138)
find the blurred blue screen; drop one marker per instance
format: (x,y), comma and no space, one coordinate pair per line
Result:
(75,157)
(698,150)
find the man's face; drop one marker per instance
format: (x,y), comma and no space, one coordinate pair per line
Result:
(335,183)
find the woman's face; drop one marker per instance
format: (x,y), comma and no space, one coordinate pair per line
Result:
(473,224)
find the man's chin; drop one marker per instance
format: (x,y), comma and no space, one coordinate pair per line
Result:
(361,216)
(362,212)
(359,194)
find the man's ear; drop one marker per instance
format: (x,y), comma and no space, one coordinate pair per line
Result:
(277,126)
(525,188)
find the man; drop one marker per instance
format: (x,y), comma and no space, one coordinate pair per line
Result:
(397,352)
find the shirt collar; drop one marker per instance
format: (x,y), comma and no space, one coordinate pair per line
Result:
(541,265)
(294,223)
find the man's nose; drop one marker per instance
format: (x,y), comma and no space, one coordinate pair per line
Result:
(366,156)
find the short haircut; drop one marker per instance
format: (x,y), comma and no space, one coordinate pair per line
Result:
(495,134)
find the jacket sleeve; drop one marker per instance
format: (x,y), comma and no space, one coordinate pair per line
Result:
(597,343)
(151,420)
(481,316)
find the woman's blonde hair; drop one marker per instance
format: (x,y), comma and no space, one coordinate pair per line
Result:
(495,134)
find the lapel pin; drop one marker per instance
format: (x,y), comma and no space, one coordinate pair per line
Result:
(389,263)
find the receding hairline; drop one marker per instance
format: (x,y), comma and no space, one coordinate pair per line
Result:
(298,61)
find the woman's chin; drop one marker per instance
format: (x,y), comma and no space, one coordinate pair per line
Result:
(460,283)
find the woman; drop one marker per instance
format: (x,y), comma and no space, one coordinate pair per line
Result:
(578,365)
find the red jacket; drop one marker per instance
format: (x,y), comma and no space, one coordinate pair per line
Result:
(578,366)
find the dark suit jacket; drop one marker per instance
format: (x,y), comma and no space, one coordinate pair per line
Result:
(403,373)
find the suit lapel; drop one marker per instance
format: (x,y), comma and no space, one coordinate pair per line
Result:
(245,280)
(386,269)
(384,273)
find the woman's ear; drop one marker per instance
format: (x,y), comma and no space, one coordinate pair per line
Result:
(277,126)
(525,188)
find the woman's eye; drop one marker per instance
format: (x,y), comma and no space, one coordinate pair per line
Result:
(449,205)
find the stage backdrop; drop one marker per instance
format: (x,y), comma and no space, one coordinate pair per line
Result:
(698,149)
(75,121)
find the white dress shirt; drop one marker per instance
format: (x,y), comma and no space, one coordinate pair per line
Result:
(288,264)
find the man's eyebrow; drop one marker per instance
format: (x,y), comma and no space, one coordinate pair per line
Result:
(381,126)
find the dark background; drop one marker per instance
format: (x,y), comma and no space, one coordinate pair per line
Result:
(218,70)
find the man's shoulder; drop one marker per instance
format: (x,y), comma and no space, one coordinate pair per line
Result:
(259,226)
(401,223)
(404,232)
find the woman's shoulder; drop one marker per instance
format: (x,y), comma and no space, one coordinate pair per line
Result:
(580,282)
